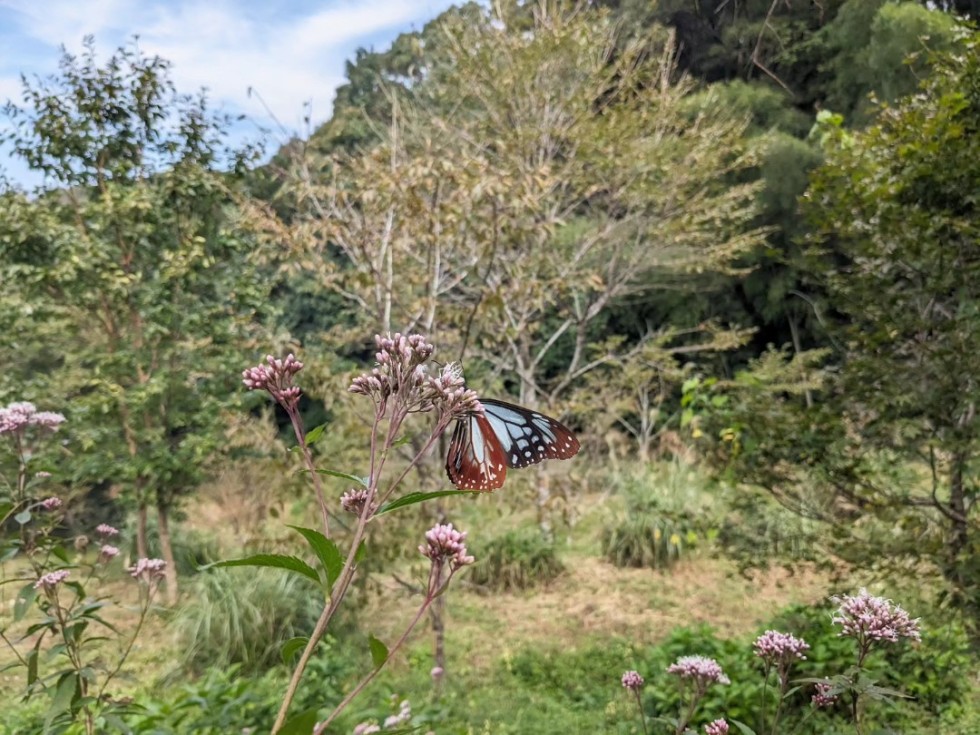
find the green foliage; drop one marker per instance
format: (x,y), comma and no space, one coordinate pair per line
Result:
(882,48)
(142,279)
(572,675)
(243,617)
(667,514)
(223,700)
(757,531)
(192,548)
(933,672)
(518,560)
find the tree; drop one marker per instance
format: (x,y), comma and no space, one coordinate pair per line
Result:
(542,174)
(893,440)
(141,275)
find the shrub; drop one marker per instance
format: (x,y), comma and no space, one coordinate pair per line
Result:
(667,512)
(518,560)
(243,617)
(645,541)
(221,701)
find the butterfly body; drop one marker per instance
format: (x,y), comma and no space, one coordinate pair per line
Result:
(504,435)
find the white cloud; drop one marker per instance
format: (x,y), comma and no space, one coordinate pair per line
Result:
(288,56)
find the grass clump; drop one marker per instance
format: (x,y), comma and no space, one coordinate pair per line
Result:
(667,512)
(518,560)
(242,617)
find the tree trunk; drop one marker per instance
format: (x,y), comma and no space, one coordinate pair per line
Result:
(142,547)
(166,549)
(958,548)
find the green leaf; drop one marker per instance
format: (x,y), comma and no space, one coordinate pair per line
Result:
(301,724)
(32,657)
(742,727)
(24,600)
(63,697)
(279,561)
(400,441)
(325,550)
(419,497)
(314,435)
(876,692)
(336,473)
(291,647)
(24,517)
(379,652)
(687,415)
(361,552)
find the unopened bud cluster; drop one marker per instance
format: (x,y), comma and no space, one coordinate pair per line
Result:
(632,680)
(353,500)
(448,393)
(700,668)
(718,727)
(777,648)
(444,543)
(824,696)
(402,371)
(276,377)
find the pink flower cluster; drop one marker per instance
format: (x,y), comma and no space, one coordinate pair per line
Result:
(401,367)
(402,371)
(632,680)
(108,552)
(16,417)
(276,377)
(702,669)
(51,580)
(51,503)
(824,696)
(718,727)
(403,716)
(104,529)
(354,499)
(444,543)
(449,394)
(780,648)
(869,619)
(148,570)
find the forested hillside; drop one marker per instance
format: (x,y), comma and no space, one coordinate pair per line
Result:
(732,245)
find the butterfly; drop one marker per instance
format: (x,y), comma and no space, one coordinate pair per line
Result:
(485,444)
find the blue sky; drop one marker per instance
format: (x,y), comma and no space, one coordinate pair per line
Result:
(291,52)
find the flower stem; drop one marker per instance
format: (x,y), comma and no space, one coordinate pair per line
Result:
(639,706)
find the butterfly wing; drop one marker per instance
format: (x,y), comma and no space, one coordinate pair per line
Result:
(476,461)
(527,437)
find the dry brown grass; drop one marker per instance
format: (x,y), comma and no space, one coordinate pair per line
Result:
(595,601)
